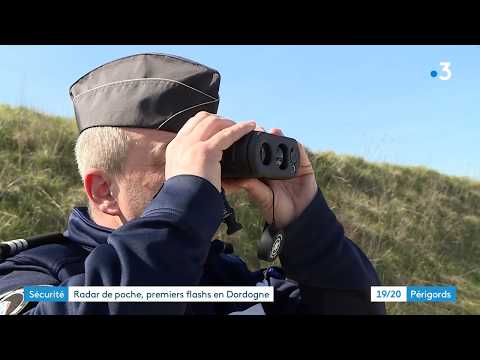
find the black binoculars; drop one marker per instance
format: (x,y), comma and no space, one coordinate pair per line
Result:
(261,155)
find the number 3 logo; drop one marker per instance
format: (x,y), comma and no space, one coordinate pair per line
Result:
(446,69)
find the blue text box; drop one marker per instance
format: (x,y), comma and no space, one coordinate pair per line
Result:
(45,293)
(431,294)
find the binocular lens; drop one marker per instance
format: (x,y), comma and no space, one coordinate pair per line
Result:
(265,154)
(282,160)
(279,156)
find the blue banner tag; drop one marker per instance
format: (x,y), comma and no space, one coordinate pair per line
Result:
(45,294)
(431,294)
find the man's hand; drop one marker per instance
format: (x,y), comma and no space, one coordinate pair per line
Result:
(198,147)
(292,196)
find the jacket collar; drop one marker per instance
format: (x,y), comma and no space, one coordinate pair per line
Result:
(83,231)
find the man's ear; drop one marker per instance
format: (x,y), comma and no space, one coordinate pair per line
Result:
(99,192)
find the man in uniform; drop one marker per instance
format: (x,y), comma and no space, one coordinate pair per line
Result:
(149,154)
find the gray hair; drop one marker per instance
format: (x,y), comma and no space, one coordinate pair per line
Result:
(103,148)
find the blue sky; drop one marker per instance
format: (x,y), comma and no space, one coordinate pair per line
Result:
(378,102)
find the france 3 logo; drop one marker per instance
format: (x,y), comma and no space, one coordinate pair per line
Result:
(445,69)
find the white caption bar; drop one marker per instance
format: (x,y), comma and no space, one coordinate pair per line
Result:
(388,294)
(170,293)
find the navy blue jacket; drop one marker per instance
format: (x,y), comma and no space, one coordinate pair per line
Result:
(170,245)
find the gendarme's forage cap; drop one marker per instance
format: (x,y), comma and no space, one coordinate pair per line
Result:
(145,91)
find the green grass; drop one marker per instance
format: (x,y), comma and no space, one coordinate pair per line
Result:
(39,182)
(417,226)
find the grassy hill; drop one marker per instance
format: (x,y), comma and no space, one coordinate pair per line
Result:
(416,225)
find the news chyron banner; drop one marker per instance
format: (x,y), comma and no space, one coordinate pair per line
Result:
(149,294)
(217,294)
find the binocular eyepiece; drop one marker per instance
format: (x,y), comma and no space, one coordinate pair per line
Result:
(261,155)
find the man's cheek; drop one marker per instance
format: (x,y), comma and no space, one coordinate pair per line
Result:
(152,182)
(138,200)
